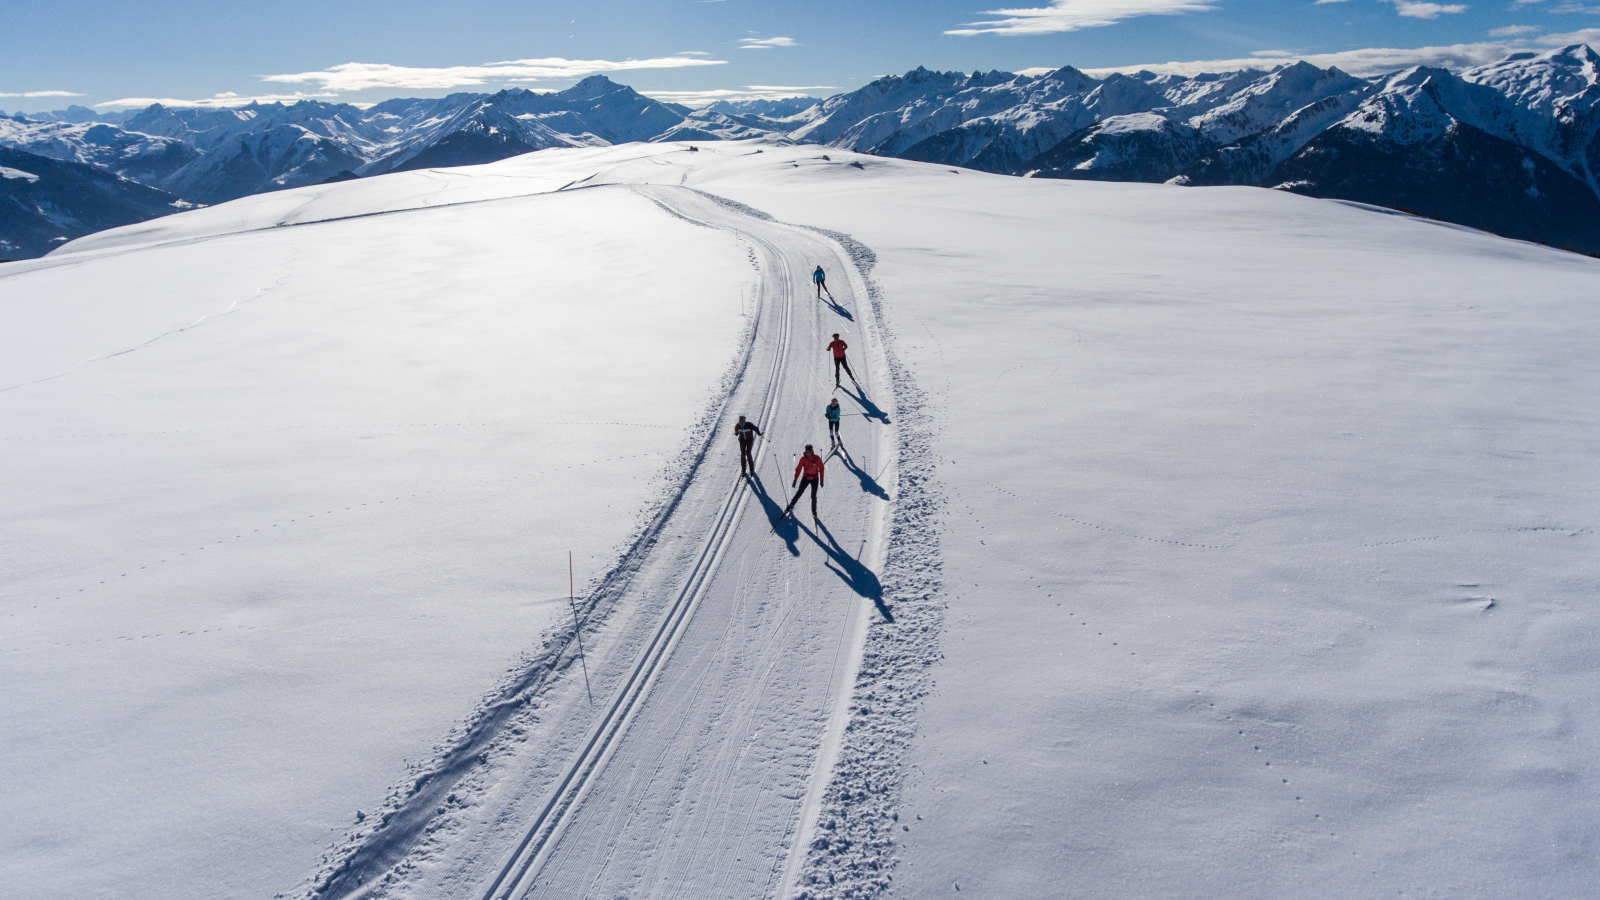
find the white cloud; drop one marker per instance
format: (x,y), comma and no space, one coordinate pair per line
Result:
(1513,30)
(1072,15)
(1589,36)
(369,76)
(766,43)
(219,101)
(1416,10)
(1370,61)
(1036,71)
(749,92)
(42,94)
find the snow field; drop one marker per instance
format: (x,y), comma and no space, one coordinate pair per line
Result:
(1265,525)
(281,505)
(545,172)
(1269,550)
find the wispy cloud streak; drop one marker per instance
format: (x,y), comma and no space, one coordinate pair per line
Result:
(227,100)
(1416,10)
(1368,61)
(748,92)
(1074,15)
(369,76)
(765,43)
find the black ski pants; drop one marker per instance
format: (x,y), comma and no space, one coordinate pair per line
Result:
(839,361)
(805,483)
(747,463)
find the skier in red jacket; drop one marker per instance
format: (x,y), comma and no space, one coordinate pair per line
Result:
(838,347)
(808,473)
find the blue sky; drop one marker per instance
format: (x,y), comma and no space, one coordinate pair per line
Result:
(112,52)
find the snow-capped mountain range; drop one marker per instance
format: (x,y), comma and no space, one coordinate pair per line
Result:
(1510,147)
(215,155)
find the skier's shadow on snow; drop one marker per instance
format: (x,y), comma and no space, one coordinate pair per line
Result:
(786,529)
(868,483)
(868,408)
(834,305)
(861,579)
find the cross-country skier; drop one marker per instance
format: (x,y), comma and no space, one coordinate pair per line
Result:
(838,347)
(747,433)
(821,278)
(808,473)
(832,412)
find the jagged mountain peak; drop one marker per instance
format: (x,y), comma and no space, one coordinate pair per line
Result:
(1563,76)
(1069,77)
(1417,76)
(596,86)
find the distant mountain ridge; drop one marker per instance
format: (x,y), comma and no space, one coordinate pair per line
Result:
(215,155)
(1510,147)
(46,202)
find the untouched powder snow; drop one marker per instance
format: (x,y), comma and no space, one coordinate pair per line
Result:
(1233,543)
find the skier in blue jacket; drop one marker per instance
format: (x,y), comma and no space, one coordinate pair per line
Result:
(821,279)
(832,412)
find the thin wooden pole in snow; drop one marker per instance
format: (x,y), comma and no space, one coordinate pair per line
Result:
(577,627)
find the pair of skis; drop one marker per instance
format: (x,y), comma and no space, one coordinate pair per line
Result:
(788,510)
(815,520)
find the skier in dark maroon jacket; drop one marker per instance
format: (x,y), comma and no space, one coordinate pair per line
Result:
(747,433)
(838,347)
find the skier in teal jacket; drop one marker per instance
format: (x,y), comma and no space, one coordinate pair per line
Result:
(821,279)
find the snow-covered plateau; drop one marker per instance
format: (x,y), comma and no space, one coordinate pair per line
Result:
(1184,542)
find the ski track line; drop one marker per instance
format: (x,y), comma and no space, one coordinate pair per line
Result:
(543,835)
(550,822)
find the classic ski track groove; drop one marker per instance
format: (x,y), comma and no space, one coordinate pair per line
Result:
(516,876)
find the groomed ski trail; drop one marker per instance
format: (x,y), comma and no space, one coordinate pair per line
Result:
(726,655)
(694,784)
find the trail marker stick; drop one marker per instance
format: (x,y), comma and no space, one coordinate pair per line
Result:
(577,627)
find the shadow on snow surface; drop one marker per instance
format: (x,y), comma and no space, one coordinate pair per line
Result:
(861,579)
(858,577)
(868,408)
(868,483)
